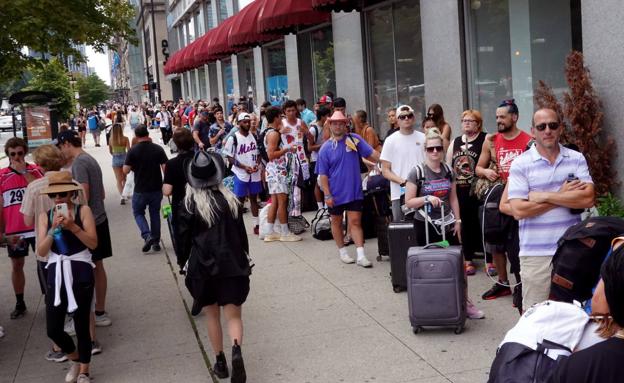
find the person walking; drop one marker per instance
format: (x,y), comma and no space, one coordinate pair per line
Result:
(93,123)
(541,195)
(339,176)
(215,255)
(68,235)
(147,161)
(136,117)
(86,170)
(242,151)
(164,122)
(401,152)
(13,182)
(118,146)
(201,130)
(82,127)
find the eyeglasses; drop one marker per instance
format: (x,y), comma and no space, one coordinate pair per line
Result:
(467,121)
(549,125)
(13,154)
(431,149)
(60,194)
(406,116)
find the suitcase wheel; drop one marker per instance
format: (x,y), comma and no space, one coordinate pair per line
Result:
(418,330)
(398,289)
(379,258)
(459,330)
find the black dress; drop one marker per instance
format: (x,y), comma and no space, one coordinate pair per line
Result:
(218,267)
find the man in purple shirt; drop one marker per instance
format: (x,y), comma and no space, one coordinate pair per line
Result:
(339,177)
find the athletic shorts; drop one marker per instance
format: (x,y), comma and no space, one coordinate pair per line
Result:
(222,291)
(22,251)
(357,205)
(104,248)
(244,189)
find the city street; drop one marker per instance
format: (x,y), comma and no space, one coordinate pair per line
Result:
(308,318)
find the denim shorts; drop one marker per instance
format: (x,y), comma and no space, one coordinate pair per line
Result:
(119,160)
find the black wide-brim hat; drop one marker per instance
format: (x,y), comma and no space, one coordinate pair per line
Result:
(205,169)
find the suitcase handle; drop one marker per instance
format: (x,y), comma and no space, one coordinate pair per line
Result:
(427,207)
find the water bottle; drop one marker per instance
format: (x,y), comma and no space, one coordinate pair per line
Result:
(572,177)
(59,241)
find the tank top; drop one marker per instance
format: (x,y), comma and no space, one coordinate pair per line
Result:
(13,186)
(74,245)
(118,149)
(465,159)
(507,151)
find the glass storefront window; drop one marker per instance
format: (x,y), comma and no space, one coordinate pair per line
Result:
(228,84)
(213,81)
(514,44)
(223,11)
(395,65)
(210,22)
(246,76)
(191,30)
(316,61)
(203,92)
(276,79)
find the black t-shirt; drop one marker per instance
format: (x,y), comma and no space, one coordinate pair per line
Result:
(601,363)
(145,159)
(175,175)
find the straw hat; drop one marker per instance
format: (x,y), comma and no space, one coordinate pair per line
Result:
(60,182)
(338,116)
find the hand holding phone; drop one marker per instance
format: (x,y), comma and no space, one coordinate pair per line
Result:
(61,209)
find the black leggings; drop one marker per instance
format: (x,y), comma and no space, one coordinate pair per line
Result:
(55,320)
(166,135)
(472,239)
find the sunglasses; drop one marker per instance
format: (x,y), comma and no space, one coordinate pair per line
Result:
(406,116)
(432,149)
(60,194)
(13,154)
(549,125)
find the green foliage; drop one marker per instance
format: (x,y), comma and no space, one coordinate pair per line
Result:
(54,26)
(53,78)
(610,206)
(92,90)
(325,70)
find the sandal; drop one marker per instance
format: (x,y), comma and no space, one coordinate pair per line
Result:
(470,269)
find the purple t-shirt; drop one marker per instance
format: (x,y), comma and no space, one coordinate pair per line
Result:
(341,164)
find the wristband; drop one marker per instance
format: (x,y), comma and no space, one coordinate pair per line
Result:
(328,197)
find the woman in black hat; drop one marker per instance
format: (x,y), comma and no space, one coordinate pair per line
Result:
(214,251)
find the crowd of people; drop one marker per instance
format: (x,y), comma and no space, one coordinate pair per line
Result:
(277,158)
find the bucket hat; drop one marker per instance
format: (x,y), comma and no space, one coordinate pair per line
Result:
(60,182)
(205,169)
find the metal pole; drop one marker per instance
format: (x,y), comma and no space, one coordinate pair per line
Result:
(155,52)
(145,47)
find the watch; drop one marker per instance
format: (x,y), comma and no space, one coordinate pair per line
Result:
(328,197)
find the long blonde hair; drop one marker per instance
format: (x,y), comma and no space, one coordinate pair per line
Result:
(117,136)
(206,203)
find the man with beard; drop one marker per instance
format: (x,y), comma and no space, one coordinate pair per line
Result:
(509,143)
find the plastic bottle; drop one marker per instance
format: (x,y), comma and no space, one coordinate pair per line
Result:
(572,177)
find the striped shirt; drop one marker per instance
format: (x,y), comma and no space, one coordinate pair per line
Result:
(532,172)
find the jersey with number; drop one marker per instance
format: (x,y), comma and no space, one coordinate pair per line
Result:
(13,186)
(245,151)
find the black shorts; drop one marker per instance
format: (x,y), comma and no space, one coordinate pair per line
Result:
(357,205)
(23,250)
(222,291)
(104,248)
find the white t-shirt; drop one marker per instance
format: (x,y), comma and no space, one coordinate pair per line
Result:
(164,119)
(317,132)
(404,152)
(246,153)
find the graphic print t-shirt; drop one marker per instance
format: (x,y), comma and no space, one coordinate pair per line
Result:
(245,152)
(465,158)
(508,150)
(434,184)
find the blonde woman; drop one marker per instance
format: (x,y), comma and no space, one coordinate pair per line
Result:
(118,146)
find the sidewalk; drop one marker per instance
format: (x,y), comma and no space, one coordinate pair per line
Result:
(308,318)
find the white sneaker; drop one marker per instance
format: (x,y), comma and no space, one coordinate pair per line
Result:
(82,378)
(69,327)
(290,237)
(364,262)
(346,259)
(272,237)
(103,320)
(74,371)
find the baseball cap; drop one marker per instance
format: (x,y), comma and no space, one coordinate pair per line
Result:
(325,100)
(67,136)
(243,116)
(404,109)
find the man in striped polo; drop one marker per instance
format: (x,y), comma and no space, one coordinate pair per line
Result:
(541,198)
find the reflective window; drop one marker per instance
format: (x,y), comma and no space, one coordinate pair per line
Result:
(203,91)
(210,19)
(222,10)
(246,76)
(213,81)
(316,59)
(395,64)
(276,79)
(199,22)
(191,30)
(514,44)
(228,84)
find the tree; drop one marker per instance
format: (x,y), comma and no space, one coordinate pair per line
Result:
(54,27)
(53,77)
(92,90)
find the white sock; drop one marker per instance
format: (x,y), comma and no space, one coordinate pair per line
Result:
(254,221)
(285,229)
(360,252)
(343,251)
(319,205)
(270,228)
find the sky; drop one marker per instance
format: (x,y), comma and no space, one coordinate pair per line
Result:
(100,62)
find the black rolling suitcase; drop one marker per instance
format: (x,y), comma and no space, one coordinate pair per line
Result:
(401,236)
(436,287)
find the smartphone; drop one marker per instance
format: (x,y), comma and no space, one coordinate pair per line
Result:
(61,208)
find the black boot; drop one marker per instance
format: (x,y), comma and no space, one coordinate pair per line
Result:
(238,366)
(220,367)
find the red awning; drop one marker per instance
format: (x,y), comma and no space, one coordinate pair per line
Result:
(173,62)
(337,5)
(219,46)
(200,56)
(244,32)
(187,62)
(285,16)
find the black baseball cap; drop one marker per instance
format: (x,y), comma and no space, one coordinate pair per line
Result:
(70,136)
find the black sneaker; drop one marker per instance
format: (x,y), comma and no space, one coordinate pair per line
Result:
(147,245)
(20,311)
(197,308)
(238,366)
(496,291)
(156,246)
(220,367)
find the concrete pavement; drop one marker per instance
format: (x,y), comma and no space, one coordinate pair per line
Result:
(308,318)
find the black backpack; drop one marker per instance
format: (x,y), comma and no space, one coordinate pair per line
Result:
(581,250)
(495,225)
(262,150)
